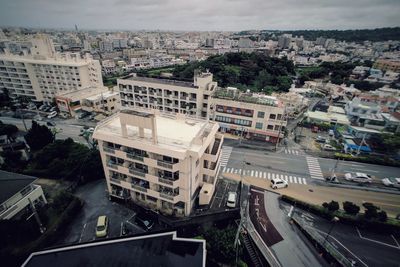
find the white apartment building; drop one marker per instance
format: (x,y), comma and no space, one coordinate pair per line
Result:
(161,161)
(17,192)
(168,95)
(253,116)
(357,108)
(197,98)
(43,74)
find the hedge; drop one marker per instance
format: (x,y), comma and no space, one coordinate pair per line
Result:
(391,226)
(386,161)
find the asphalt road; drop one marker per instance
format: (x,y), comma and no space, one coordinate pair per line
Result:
(83,228)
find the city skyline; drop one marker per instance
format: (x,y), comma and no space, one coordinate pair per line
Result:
(223,15)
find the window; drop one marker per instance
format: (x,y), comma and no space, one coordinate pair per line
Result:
(272,116)
(259,125)
(260,114)
(270,127)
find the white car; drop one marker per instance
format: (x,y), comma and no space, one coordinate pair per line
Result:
(278,183)
(231,203)
(52,114)
(392,182)
(358,177)
(328,147)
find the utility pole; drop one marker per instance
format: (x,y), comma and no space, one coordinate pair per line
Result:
(39,222)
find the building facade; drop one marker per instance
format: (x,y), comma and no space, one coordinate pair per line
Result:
(160,161)
(42,74)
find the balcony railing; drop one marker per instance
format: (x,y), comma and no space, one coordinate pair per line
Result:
(165,181)
(165,164)
(115,180)
(134,156)
(137,172)
(109,150)
(138,187)
(113,165)
(166,196)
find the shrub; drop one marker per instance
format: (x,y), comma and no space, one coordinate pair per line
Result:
(351,208)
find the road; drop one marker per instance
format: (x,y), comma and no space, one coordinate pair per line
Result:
(301,172)
(68,128)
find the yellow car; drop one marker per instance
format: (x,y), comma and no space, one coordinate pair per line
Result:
(102,226)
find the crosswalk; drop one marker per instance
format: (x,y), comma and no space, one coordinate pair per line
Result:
(266,175)
(314,168)
(225,154)
(293,152)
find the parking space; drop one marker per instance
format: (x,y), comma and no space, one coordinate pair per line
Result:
(223,187)
(97,203)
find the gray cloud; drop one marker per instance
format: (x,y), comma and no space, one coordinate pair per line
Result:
(201,14)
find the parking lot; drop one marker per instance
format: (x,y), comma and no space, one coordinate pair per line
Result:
(223,187)
(83,228)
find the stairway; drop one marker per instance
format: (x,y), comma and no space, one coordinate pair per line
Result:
(251,250)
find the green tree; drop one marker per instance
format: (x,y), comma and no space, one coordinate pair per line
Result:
(13,161)
(351,208)
(371,211)
(331,206)
(38,136)
(391,141)
(220,243)
(8,129)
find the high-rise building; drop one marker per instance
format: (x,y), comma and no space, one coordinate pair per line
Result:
(284,41)
(160,161)
(42,74)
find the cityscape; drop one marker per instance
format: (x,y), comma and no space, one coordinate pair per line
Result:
(169,134)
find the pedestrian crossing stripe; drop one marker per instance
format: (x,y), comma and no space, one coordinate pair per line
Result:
(266,175)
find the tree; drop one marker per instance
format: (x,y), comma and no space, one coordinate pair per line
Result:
(391,141)
(371,211)
(38,136)
(8,129)
(331,206)
(220,243)
(351,208)
(13,161)
(382,216)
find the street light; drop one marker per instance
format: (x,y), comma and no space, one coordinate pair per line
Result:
(334,221)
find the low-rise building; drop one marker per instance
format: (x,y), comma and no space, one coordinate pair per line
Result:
(17,194)
(161,161)
(386,64)
(327,117)
(92,99)
(253,116)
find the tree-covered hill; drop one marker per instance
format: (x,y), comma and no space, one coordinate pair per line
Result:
(253,71)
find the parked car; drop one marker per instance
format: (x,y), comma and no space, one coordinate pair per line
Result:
(328,147)
(358,177)
(320,139)
(392,182)
(102,226)
(83,115)
(331,133)
(231,202)
(144,222)
(278,183)
(50,123)
(42,107)
(52,115)
(53,109)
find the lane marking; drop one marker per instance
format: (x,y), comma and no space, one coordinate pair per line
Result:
(395,241)
(376,241)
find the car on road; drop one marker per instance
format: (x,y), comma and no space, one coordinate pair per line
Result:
(278,183)
(102,226)
(328,147)
(144,222)
(391,182)
(231,202)
(52,115)
(358,177)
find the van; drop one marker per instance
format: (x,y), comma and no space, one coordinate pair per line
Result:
(102,226)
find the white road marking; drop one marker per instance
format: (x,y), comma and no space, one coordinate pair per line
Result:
(269,176)
(376,241)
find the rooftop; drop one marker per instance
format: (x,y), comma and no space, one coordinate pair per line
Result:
(160,81)
(85,93)
(234,94)
(59,60)
(173,131)
(163,249)
(11,183)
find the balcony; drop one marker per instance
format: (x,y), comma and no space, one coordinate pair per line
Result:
(137,172)
(114,180)
(109,150)
(134,156)
(113,165)
(139,188)
(165,164)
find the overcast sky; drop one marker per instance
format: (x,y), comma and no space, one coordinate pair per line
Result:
(231,15)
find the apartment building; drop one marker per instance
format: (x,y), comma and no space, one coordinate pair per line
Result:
(158,160)
(17,192)
(42,74)
(168,95)
(253,116)
(386,64)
